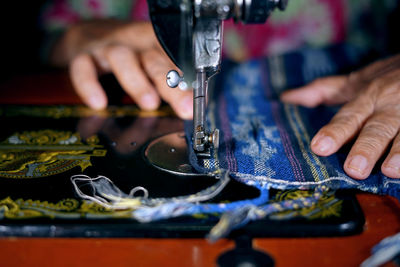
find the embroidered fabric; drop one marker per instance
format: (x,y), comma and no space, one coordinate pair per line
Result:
(265,143)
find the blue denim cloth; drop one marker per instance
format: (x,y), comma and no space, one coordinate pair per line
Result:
(266,143)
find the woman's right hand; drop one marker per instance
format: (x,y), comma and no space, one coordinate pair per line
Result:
(131,52)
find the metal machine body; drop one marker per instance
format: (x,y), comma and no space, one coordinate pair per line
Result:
(190,31)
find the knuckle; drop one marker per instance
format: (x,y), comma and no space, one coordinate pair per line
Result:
(355,76)
(367,146)
(375,136)
(150,54)
(137,84)
(336,131)
(156,66)
(389,98)
(154,58)
(374,89)
(365,102)
(117,52)
(347,120)
(391,107)
(375,85)
(380,129)
(392,89)
(159,71)
(79,60)
(396,144)
(152,67)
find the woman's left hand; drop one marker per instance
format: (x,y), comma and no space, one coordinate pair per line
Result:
(371,115)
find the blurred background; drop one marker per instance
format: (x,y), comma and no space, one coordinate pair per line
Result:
(22,36)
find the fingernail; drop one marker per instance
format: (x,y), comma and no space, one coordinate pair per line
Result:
(187,107)
(149,101)
(97,102)
(359,164)
(324,144)
(394,163)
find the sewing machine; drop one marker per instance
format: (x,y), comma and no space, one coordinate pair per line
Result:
(190,31)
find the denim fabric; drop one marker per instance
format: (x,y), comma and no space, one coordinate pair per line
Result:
(266,143)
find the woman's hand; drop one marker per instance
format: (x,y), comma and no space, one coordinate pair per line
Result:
(371,115)
(130,51)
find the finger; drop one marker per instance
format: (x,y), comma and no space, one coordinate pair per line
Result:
(343,126)
(157,64)
(129,34)
(99,55)
(126,67)
(391,165)
(371,143)
(321,91)
(84,79)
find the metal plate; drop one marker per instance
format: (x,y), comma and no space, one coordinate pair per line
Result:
(169,153)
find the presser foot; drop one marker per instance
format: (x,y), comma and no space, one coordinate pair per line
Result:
(170,153)
(203,142)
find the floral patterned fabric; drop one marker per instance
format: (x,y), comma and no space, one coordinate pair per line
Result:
(314,23)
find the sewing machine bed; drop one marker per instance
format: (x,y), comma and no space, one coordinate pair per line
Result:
(41,147)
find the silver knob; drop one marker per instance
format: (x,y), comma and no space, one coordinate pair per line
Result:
(173,78)
(214,139)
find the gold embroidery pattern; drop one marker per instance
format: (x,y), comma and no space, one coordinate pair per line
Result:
(71,208)
(34,154)
(64,209)
(58,112)
(327,206)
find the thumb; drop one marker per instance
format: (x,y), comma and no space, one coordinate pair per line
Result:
(321,91)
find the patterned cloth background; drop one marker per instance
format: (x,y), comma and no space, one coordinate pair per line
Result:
(313,23)
(266,143)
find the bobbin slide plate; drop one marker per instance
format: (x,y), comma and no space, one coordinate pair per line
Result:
(170,153)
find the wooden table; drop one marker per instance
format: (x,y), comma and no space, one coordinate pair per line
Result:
(382,219)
